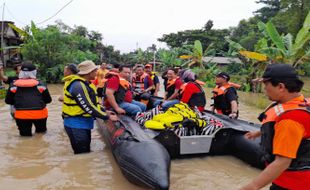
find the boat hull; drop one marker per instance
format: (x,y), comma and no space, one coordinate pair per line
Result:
(142,160)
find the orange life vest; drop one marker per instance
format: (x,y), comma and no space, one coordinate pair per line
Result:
(170,87)
(124,86)
(269,118)
(138,84)
(220,103)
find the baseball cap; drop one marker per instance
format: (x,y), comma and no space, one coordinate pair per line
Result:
(224,76)
(279,71)
(148,65)
(28,66)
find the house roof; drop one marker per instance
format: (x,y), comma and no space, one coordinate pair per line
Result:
(8,31)
(222,60)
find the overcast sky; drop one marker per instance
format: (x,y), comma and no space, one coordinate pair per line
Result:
(128,24)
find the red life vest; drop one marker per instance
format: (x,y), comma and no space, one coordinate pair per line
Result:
(197,99)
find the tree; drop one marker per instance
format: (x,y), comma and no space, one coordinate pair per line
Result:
(195,58)
(50,49)
(291,16)
(206,35)
(270,10)
(169,58)
(246,33)
(283,48)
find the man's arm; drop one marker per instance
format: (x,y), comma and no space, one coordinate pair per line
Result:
(234,106)
(271,172)
(174,95)
(112,101)
(148,82)
(46,96)
(231,96)
(2,76)
(157,85)
(80,93)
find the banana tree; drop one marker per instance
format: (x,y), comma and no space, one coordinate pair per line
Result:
(169,58)
(195,57)
(255,62)
(283,48)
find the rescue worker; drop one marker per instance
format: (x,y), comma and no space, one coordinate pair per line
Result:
(119,95)
(100,78)
(174,84)
(191,92)
(153,89)
(80,107)
(225,98)
(29,97)
(69,70)
(285,132)
(139,79)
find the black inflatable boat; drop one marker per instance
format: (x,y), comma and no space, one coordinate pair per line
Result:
(229,140)
(142,160)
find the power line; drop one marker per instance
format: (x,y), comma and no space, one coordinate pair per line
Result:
(11,14)
(56,13)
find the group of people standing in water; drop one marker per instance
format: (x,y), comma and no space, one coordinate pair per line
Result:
(91,92)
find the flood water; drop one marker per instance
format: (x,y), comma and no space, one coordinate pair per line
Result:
(47,161)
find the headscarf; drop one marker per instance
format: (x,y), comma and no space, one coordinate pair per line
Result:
(27,74)
(187,75)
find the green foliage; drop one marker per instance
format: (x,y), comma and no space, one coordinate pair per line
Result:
(52,47)
(138,57)
(195,57)
(206,36)
(291,16)
(246,33)
(169,58)
(305,68)
(207,75)
(283,48)
(271,8)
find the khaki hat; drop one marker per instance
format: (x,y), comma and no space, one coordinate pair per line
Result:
(86,67)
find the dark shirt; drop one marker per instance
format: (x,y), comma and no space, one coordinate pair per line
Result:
(10,80)
(231,95)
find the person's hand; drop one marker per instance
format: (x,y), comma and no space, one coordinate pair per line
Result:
(155,93)
(252,135)
(120,110)
(61,99)
(250,186)
(112,116)
(233,115)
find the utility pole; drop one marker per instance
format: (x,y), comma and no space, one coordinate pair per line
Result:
(154,56)
(2,34)
(154,59)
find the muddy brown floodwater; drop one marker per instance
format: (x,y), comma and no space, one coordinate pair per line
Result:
(47,161)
